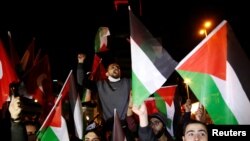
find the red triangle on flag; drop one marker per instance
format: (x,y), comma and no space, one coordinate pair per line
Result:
(211,56)
(167,93)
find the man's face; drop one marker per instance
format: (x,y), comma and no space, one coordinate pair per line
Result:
(114,70)
(156,125)
(195,132)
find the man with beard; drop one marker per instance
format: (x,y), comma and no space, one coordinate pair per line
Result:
(152,127)
(157,122)
(113,93)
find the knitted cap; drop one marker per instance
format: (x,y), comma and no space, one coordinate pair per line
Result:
(159,116)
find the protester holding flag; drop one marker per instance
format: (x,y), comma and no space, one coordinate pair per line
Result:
(113,93)
(152,127)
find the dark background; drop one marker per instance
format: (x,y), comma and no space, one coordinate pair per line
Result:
(64,28)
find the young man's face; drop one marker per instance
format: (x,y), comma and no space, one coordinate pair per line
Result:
(195,132)
(156,125)
(114,70)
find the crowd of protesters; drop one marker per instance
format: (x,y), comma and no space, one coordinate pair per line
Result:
(111,93)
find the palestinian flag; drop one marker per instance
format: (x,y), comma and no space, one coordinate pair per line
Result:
(69,90)
(54,128)
(55,124)
(151,63)
(7,75)
(163,102)
(219,73)
(101,39)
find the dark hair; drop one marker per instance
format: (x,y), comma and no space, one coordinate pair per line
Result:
(96,131)
(192,122)
(110,63)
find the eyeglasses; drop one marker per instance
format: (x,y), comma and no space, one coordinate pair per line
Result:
(155,123)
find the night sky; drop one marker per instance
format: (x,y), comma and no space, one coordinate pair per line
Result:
(63,29)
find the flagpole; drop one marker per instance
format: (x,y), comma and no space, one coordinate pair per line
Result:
(187,91)
(56,103)
(187,81)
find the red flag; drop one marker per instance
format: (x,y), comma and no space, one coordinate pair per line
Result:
(27,60)
(7,75)
(98,70)
(15,60)
(38,57)
(39,84)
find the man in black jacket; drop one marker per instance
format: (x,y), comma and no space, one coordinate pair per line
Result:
(11,126)
(152,127)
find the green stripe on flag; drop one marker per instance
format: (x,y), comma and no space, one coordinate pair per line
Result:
(139,92)
(47,135)
(206,91)
(161,106)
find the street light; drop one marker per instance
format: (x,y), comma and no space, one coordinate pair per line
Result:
(206,25)
(203,32)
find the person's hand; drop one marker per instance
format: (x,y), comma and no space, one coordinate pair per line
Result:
(188,105)
(200,114)
(81,57)
(15,108)
(130,105)
(141,111)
